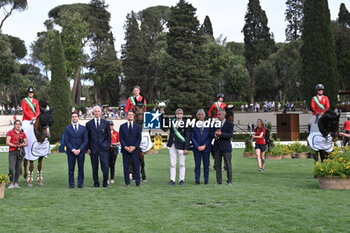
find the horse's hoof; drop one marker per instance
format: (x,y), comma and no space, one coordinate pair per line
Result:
(40,184)
(144,181)
(30,185)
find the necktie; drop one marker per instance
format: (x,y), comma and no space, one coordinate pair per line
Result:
(98,123)
(202,130)
(130,129)
(75,129)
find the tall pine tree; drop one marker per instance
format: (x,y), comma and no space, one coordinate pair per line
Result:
(294,17)
(60,96)
(344,16)
(207,27)
(133,55)
(187,84)
(319,63)
(258,42)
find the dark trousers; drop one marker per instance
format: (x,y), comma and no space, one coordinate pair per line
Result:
(198,156)
(113,153)
(14,166)
(135,165)
(218,154)
(346,139)
(104,167)
(71,167)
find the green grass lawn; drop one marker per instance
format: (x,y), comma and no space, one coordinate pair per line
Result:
(284,198)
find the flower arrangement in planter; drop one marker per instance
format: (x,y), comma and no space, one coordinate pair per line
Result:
(55,149)
(287,152)
(4,179)
(334,172)
(249,151)
(276,152)
(299,150)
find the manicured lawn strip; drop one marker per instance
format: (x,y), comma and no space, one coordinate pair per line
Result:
(284,198)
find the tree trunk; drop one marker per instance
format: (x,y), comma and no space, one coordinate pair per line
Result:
(14,96)
(75,87)
(78,101)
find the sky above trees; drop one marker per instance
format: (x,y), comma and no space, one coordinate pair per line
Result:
(227,16)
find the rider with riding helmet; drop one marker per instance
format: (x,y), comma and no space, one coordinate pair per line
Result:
(217,106)
(319,104)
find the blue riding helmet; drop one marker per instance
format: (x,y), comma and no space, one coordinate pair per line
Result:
(220,95)
(319,87)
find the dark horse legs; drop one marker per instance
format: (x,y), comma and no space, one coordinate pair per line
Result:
(323,155)
(142,165)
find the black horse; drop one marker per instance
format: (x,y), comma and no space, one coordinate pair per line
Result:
(328,123)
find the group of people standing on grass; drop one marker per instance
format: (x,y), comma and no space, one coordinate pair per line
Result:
(99,139)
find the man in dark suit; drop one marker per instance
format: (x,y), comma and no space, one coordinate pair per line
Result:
(130,139)
(98,146)
(179,143)
(201,137)
(75,139)
(223,147)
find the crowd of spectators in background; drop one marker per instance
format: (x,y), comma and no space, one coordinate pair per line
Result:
(268,106)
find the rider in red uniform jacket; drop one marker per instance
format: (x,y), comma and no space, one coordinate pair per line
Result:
(129,104)
(319,103)
(29,104)
(217,105)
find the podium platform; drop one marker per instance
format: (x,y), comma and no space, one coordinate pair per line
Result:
(288,126)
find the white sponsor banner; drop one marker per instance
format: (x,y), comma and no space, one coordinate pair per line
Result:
(6,148)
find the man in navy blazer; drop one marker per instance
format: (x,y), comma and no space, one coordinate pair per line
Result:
(99,135)
(75,139)
(130,139)
(223,147)
(201,137)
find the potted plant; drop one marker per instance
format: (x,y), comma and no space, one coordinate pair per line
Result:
(276,152)
(334,172)
(249,151)
(3,181)
(287,152)
(55,149)
(304,153)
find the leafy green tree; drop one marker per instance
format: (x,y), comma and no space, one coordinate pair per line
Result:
(319,64)
(258,42)
(105,77)
(59,96)
(106,71)
(294,17)
(287,64)
(8,6)
(153,22)
(9,69)
(74,39)
(187,84)
(266,80)
(235,77)
(18,47)
(342,46)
